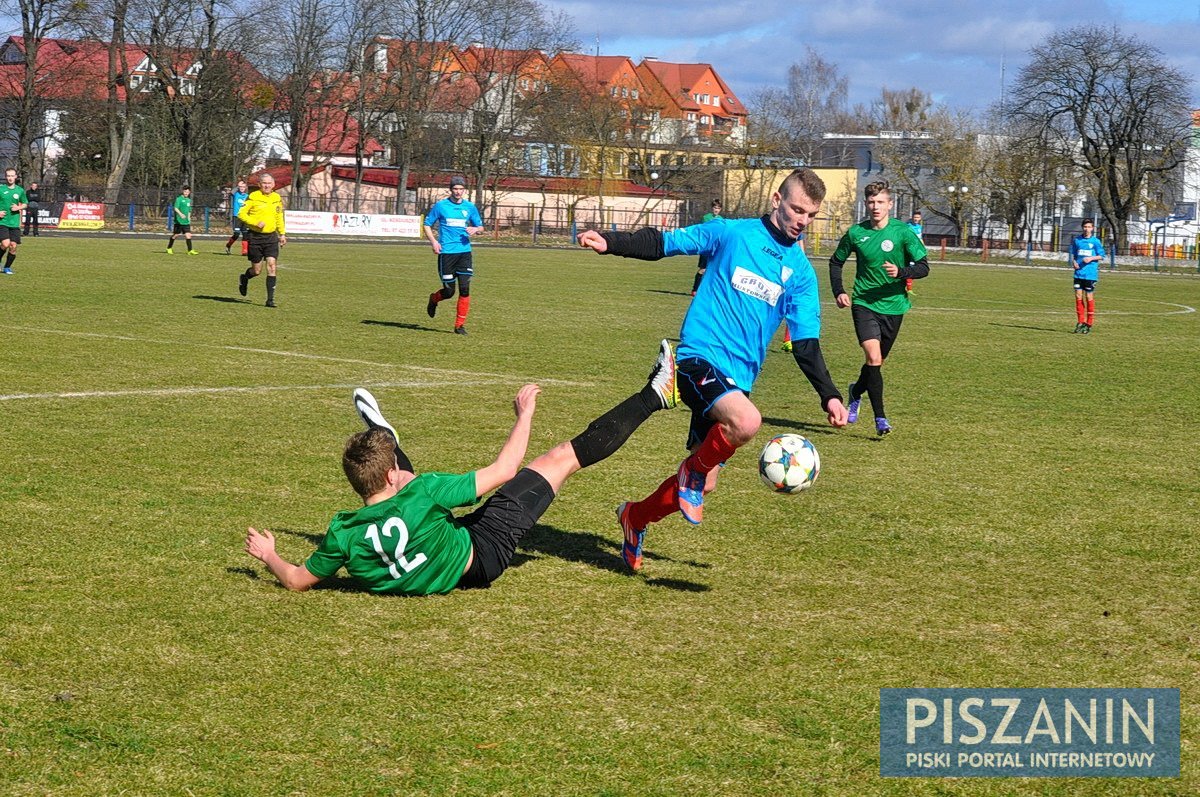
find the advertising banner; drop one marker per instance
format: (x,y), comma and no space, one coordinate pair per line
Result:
(79,216)
(303,222)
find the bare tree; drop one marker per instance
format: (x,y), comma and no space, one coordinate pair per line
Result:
(508,61)
(1112,106)
(430,91)
(40,19)
(791,120)
(941,167)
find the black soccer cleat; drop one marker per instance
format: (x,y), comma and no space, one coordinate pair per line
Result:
(270,303)
(243,280)
(460,330)
(431,308)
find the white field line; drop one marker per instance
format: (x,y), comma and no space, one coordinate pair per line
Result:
(303,355)
(192,391)
(1182,309)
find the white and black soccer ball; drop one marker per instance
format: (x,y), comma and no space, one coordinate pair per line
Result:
(789,463)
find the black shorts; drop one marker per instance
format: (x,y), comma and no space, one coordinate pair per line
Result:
(1087,286)
(182,229)
(700,384)
(498,525)
(870,325)
(260,247)
(10,234)
(239,226)
(451,265)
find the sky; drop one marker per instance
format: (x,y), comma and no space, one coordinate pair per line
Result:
(960,51)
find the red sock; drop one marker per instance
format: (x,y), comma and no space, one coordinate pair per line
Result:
(1091,310)
(245,247)
(715,449)
(664,501)
(1079,310)
(435,297)
(787,335)
(464,306)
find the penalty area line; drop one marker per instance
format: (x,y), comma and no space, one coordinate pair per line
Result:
(301,355)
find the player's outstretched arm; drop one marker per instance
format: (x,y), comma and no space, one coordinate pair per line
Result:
(645,244)
(512,454)
(590,239)
(807,353)
(261,545)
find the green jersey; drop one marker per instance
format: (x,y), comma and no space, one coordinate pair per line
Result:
(11,195)
(873,288)
(408,544)
(183,209)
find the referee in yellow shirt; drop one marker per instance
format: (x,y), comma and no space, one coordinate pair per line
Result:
(262,217)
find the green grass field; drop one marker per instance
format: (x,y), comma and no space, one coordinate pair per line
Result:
(1031,522)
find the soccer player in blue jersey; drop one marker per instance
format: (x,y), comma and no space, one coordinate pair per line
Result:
(1086,253)
(758,276)
(236,200)
(457,219)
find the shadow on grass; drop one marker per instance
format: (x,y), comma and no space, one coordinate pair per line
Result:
(589,549)
(1024,326)
(596,551)
(670,293)
(800,426)
(401,325)
(335,583)
(226,299)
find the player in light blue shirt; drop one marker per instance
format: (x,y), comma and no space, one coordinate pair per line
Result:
(236,200)
(757,277)
(1086,254)
(457,219)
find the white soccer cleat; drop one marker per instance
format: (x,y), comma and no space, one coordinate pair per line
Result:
(662,376)
(368,410)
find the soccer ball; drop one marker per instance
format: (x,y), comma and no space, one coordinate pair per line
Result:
(789,463)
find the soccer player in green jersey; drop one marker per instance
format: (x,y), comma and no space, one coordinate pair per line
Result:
(12,203)
(880,300)
(182,217)
(405,540)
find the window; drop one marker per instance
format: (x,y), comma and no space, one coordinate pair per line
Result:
(704,120)
(704,99)
(524,83)
(634,93)
(624,91)
(613,91)
(691,116)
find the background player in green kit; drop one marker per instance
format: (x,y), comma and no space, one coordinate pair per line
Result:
(404,539)
(880,300)
(12,203)
(181,215)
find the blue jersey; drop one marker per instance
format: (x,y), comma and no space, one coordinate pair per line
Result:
(452,219)
(1086,247)
(755,280)
(236,200)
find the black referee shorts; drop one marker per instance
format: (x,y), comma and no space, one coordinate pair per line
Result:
(260,247)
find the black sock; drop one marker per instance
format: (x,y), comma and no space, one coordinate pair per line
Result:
(874,386)
(270,288)
(402,460)
(250,273)
(8,260)
(696,282)
(171,243)
(188,241)
(860,384)
(609,432)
